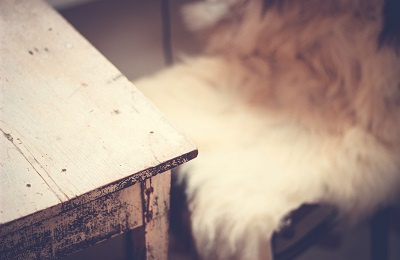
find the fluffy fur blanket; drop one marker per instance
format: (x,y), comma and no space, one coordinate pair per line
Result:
(292,102)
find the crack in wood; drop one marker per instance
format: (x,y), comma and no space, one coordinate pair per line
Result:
(147,190)
(151,133)
(11,139)
(84,85)
(99,193)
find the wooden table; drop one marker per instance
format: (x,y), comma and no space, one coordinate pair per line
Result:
(84,156)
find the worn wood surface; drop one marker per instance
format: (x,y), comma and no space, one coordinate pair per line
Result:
(76,229)
(73,129)
(156,194)
(151,240)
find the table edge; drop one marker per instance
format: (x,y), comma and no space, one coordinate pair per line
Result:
(45,214)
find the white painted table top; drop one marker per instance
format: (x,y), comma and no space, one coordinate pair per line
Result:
(73,128)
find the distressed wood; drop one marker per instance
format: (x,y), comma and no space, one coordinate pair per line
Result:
(70,113)
(151,240)
(76,229)
(156,194)
(73,131)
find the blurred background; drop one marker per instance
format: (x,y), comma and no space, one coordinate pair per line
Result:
(129,34)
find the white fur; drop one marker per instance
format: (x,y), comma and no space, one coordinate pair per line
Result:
(201,15)
(270,139)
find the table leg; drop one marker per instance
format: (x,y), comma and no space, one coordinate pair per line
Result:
(156,201)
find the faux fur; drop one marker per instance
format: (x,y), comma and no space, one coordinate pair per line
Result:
(293,102)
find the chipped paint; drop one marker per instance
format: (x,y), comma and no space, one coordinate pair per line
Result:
(76,229)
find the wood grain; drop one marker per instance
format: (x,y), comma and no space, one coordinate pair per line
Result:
(76,229)
(156,193)
(73,129)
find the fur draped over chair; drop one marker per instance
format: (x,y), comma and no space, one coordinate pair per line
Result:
(291,102)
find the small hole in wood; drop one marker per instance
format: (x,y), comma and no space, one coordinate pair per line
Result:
(28,185)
